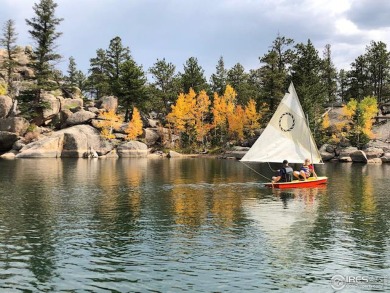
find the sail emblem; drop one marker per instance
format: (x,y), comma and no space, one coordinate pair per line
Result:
(286,122)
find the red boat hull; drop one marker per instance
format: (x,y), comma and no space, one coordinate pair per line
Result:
(311,182)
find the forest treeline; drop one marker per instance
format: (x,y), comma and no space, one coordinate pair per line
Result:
(244,99)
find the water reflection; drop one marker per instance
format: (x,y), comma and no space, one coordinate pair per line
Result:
(186,225)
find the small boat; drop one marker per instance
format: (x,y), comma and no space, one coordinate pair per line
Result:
(310,182)
(287,137)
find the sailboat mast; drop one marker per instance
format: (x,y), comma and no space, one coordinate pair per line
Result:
(311,151)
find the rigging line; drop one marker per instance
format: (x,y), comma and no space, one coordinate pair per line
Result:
(269,165)
(255,171)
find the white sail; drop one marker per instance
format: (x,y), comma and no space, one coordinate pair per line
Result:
(286,137)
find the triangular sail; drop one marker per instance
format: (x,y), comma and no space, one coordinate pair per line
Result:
(286,137)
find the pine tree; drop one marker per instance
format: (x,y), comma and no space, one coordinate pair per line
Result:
(306,75)
(43,32)
(132,82)
(71,78)
(116,55)
(330,75)
(239,80)
(193,76)
(218,79)
(274,72)
(8,41)
(165,89)
(98,80)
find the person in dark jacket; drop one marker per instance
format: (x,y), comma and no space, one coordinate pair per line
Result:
(285,173)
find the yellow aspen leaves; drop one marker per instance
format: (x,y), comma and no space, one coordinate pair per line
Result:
(109,121)
(182,116)
(325,121)
(252,117)
(192,115)
(202,108)
(3,89)
(134,128)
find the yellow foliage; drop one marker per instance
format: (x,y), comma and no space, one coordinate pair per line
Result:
(3,89)
(134,128)
(110,121)
(224,106)
(181,115)
(219,110)
(349,110)
(252,117)
(230,95)
(200,111)
(325,121)
(236,122)
(369,109)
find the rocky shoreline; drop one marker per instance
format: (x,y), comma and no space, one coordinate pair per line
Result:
(70,129)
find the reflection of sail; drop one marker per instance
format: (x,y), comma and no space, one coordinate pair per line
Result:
(284,219)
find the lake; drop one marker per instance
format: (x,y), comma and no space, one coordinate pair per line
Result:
(190,225)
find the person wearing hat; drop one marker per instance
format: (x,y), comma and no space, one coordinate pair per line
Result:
(285,173)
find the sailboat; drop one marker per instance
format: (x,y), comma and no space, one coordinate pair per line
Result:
(287,137)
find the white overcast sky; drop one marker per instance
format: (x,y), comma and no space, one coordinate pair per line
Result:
(239,30)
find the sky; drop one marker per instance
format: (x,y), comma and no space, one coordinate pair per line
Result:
(240,31)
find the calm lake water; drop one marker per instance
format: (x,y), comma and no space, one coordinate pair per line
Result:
(189,225)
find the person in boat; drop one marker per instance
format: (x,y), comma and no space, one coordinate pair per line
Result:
(285,173)
(306,171)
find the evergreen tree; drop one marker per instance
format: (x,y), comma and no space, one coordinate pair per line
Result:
(116,54)
(378,59)
(164,87)
(359,85)
(239,80)
(132,82)
(8,41)
(98,80)
(274,72)
(306,75)
(219,78)
(72,72)
(43,32)
(193,76)
(343,85)
(329,75)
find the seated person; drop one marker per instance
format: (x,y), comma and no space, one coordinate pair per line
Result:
(306,171)
(285,173)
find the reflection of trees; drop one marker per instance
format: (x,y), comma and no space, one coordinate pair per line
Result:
(350,216)
(216,196)
(28,208)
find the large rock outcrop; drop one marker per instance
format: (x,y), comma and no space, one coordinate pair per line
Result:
(16,125)
(80,117)
(5,106)
(132,149)
(7,139)
(75,142)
